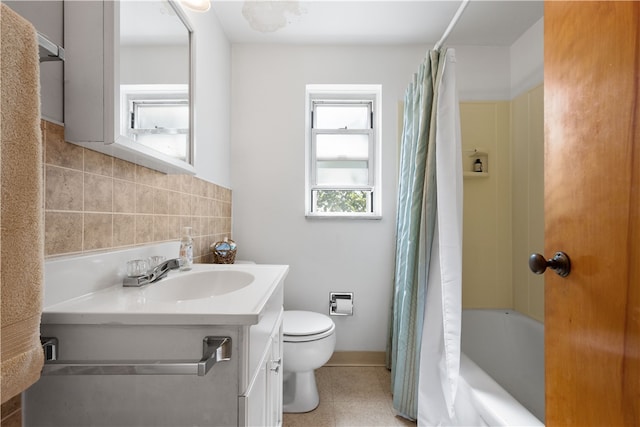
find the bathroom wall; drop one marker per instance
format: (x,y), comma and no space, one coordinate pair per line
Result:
(487,247)
(96,202)
(147,65)
(503,213)
(527,141)
(268,94)
(212,84)
(527,60)
(527,116)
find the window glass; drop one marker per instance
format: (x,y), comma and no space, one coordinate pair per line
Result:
(336,146)
(161,115)
(345,116)
(160,124)
(342,172)
(341,201)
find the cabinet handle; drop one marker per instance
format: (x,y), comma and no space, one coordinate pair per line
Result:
(215,349)
(276,365)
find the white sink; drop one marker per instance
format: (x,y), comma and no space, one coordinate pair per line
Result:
(208,294)
(198,285)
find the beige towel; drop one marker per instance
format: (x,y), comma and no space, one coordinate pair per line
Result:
(22,237)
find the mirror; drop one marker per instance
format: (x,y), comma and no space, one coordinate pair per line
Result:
(154,77)
(129,81)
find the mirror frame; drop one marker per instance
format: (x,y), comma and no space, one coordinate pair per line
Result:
(92,38)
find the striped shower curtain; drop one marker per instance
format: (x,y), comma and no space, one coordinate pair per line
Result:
(424,348)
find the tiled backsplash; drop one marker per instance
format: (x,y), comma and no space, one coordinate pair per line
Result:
(97,202)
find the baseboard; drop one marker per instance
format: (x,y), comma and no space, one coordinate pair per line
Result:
(357,358)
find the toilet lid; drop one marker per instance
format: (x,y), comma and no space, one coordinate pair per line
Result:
(302,323)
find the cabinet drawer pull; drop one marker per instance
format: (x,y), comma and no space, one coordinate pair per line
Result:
(215,349)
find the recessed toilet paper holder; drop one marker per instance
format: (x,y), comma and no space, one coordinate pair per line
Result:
(341,303)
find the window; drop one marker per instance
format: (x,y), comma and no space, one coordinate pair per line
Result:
(157,116)
(342,161)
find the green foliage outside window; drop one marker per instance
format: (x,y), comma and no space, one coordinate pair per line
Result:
(341,201)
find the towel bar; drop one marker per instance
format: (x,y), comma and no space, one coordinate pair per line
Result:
(215,349)
(48,50)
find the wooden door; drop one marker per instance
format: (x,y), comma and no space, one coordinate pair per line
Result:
(592,212)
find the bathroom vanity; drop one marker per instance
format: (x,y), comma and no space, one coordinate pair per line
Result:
(128,356)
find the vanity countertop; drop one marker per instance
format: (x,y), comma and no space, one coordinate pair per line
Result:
(118,305)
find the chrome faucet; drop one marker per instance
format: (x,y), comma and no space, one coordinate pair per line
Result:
(154,274)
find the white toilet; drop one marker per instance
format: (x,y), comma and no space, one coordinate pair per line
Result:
(309,341)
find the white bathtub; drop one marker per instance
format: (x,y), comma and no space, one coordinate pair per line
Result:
(501,370)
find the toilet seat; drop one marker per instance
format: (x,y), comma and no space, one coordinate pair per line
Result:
(303,326)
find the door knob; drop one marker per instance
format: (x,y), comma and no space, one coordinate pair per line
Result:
(560,263)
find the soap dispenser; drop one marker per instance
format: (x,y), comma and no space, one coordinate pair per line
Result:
(186,249)
(477,165)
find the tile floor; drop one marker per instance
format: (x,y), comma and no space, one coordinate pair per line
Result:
(350,396)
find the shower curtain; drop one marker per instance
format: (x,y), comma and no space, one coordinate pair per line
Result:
(425,326)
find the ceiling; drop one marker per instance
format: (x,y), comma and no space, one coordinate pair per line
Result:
(485,23)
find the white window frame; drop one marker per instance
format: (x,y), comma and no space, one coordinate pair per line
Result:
(343,94)
(159,94)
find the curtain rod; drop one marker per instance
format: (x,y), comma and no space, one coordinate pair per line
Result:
(49,51)
(452,24)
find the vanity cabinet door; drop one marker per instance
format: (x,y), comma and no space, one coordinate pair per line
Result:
(256,399)
(262,404)
(274,384)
